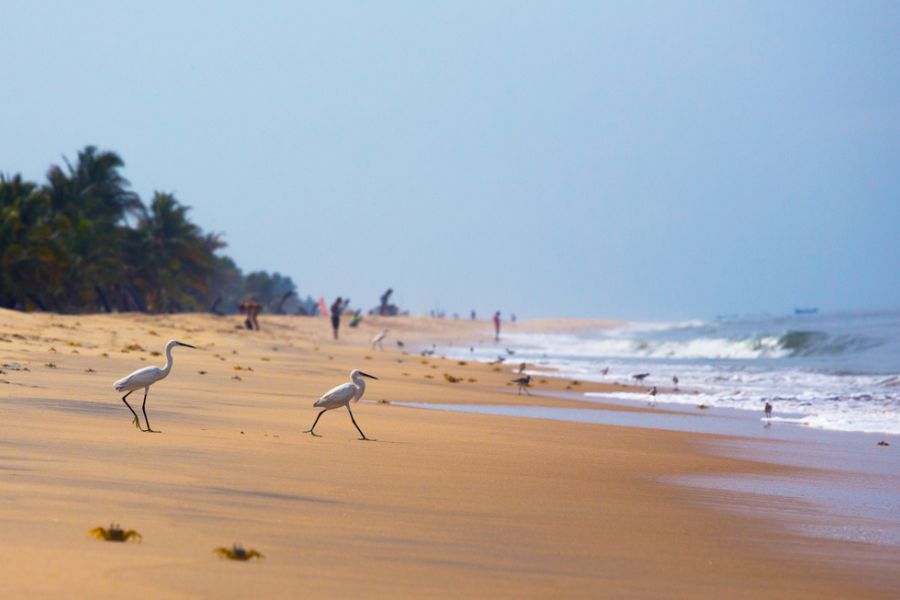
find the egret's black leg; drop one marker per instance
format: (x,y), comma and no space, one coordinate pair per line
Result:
(144,409)
(137,422)
(354,423)
(310,430)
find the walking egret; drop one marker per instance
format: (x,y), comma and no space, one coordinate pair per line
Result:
(144,378)
(341,396)
(378,340)
(522,383)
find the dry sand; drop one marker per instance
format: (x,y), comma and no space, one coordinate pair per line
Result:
(441,505)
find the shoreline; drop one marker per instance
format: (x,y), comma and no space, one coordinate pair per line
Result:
(442,504)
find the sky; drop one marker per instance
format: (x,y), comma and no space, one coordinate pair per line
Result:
(636,160)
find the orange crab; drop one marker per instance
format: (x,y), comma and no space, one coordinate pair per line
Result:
(115,533)
(237,552)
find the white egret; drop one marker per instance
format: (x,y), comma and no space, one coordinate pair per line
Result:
(144,378)
(341,396)
(378,340)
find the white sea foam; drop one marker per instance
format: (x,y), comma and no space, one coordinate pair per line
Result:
(621,346)
(794,369)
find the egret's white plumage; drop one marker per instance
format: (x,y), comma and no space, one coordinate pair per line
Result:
(342,395)
(378,340)
(144,378)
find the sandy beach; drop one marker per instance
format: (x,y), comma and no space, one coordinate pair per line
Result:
(441,504)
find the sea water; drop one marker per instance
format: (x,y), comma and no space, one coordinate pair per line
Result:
(837,371)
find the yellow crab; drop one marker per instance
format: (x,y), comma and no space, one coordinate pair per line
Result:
(114,533)
(237,552)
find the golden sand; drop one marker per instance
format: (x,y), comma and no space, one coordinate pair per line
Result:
(441,505)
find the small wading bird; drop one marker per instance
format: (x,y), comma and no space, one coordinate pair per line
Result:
(341,396)
(523,383)
(144,378)
(378,340)
(768,409)
(652,396)
(640,377)
(675,381)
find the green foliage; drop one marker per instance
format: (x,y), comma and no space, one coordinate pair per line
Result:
(85,242)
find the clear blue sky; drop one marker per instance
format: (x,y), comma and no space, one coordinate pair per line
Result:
(638,160)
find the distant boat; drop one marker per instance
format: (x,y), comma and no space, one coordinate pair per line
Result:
(806,311)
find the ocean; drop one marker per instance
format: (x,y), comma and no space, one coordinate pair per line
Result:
(835,371)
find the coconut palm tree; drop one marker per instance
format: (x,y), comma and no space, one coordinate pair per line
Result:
(32,259)
(173,261)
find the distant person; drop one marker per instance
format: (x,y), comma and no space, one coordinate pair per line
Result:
(768,410)
(497,326)
(255,309)
(473,314)
(250,309)
(336,308)
(512,318)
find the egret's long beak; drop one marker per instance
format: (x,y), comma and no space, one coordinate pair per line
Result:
(367,375)
(188,345)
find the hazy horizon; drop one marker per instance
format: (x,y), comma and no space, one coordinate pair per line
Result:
(645,161)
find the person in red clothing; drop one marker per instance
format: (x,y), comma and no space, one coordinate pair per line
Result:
(497,326)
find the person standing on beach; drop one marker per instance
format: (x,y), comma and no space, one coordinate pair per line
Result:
(336,309)
(497,326)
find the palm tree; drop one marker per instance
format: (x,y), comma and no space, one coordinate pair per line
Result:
(94,198)
(173,261)
(32,259)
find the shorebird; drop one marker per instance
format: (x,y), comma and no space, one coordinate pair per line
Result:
(399,343)
(768,410)
(522,368)
(144,378)
(341,396)
(652,396)
(378,340)
(522,383)
(640,377)
(605,371)
(510,352)
(675,381)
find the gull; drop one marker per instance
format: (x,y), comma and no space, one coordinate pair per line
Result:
(341,396)
(144,378)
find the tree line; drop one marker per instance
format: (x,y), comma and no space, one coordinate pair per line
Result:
(83,241)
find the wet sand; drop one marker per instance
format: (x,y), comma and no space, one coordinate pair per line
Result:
(441,505)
